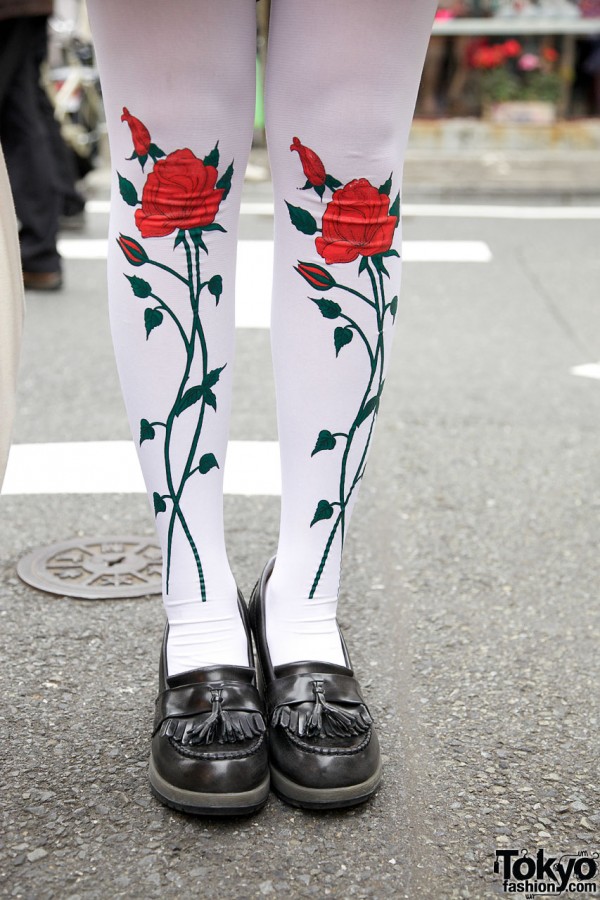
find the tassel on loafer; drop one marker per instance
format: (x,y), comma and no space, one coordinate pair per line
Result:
(324,752)
(209,744)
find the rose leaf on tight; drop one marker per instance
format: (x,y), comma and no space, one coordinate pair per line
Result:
(207,462)
(210,398)
(196,236)
(379,264)
(147,432)
(139,287)
(215,287)
(212,377)
(180,237)
(155,152)
(363,265)
(152,319)
(341,337)
(159,503)
(212,159)
(332,182)
(395,209)
(301,219)
(325,441)
(191,396)
(329,308)
(324,511)
(393,307)
(386,187)
(224,182)
(128,191)
(370,406)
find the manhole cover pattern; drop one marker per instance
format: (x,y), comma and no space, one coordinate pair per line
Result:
(105,568)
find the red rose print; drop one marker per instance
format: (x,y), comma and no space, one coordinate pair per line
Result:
(356,223)
(134,252)
(139,133)
(179,193)
(311,164)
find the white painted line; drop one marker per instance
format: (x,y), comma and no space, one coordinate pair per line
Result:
(473,211)
(588,370)
(112,467)
(83,248)
(434,210)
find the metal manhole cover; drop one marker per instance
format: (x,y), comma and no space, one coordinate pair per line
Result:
(106,568)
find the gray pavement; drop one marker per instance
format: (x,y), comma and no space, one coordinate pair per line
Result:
(470,601)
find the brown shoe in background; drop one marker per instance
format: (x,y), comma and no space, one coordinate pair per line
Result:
(42,281)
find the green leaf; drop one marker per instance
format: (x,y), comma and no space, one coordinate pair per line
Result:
(224,182)
(191,396)
(214,226)
(391,253)
(152,319)
(180,238)
(393,307)
(320,189)
(306,187)
(386,187)
(196,236)
(139,287)
(147,432)
(143,160)
(379,264)
(155,152)
(370,406)
(213,157)
(363,265)
(332,182)
(212,377)
(301,219)
(329,308)
(127,191)
(341,337)
(207,462)
(325,441)
(159,503)
(324,511)
(210,398)
(395,208)
(215,286)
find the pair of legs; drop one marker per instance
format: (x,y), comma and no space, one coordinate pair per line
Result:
(179,87)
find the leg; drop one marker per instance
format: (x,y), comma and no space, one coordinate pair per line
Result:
(28,149)
(178,82)
(342,81)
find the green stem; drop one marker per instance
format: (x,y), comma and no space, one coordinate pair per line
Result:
(361,333)
(176,495)
(324,557)
(168,269)
(350,290)
(167,309)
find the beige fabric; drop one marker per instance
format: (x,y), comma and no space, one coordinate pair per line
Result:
(11,312)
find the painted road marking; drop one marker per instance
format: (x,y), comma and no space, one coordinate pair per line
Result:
(112,467)
(588,370)
(434,210)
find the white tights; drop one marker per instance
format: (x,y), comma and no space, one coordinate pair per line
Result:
(179,82)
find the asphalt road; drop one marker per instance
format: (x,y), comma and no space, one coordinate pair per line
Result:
(470,600)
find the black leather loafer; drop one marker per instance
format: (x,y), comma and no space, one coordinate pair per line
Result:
(324,752)
(209,744)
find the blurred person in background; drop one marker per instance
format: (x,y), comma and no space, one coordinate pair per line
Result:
(11,313)
(39,173)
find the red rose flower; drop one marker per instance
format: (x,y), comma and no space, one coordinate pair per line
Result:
(134,252)
(179,193)
(356,223)
(512,48)
(139,133)
(311,164)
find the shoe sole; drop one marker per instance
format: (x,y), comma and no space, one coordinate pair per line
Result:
(204,804)
(324,798)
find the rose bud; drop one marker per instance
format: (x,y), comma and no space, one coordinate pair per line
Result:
(134,252)
(317,276)
(311,164)
(139,133)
